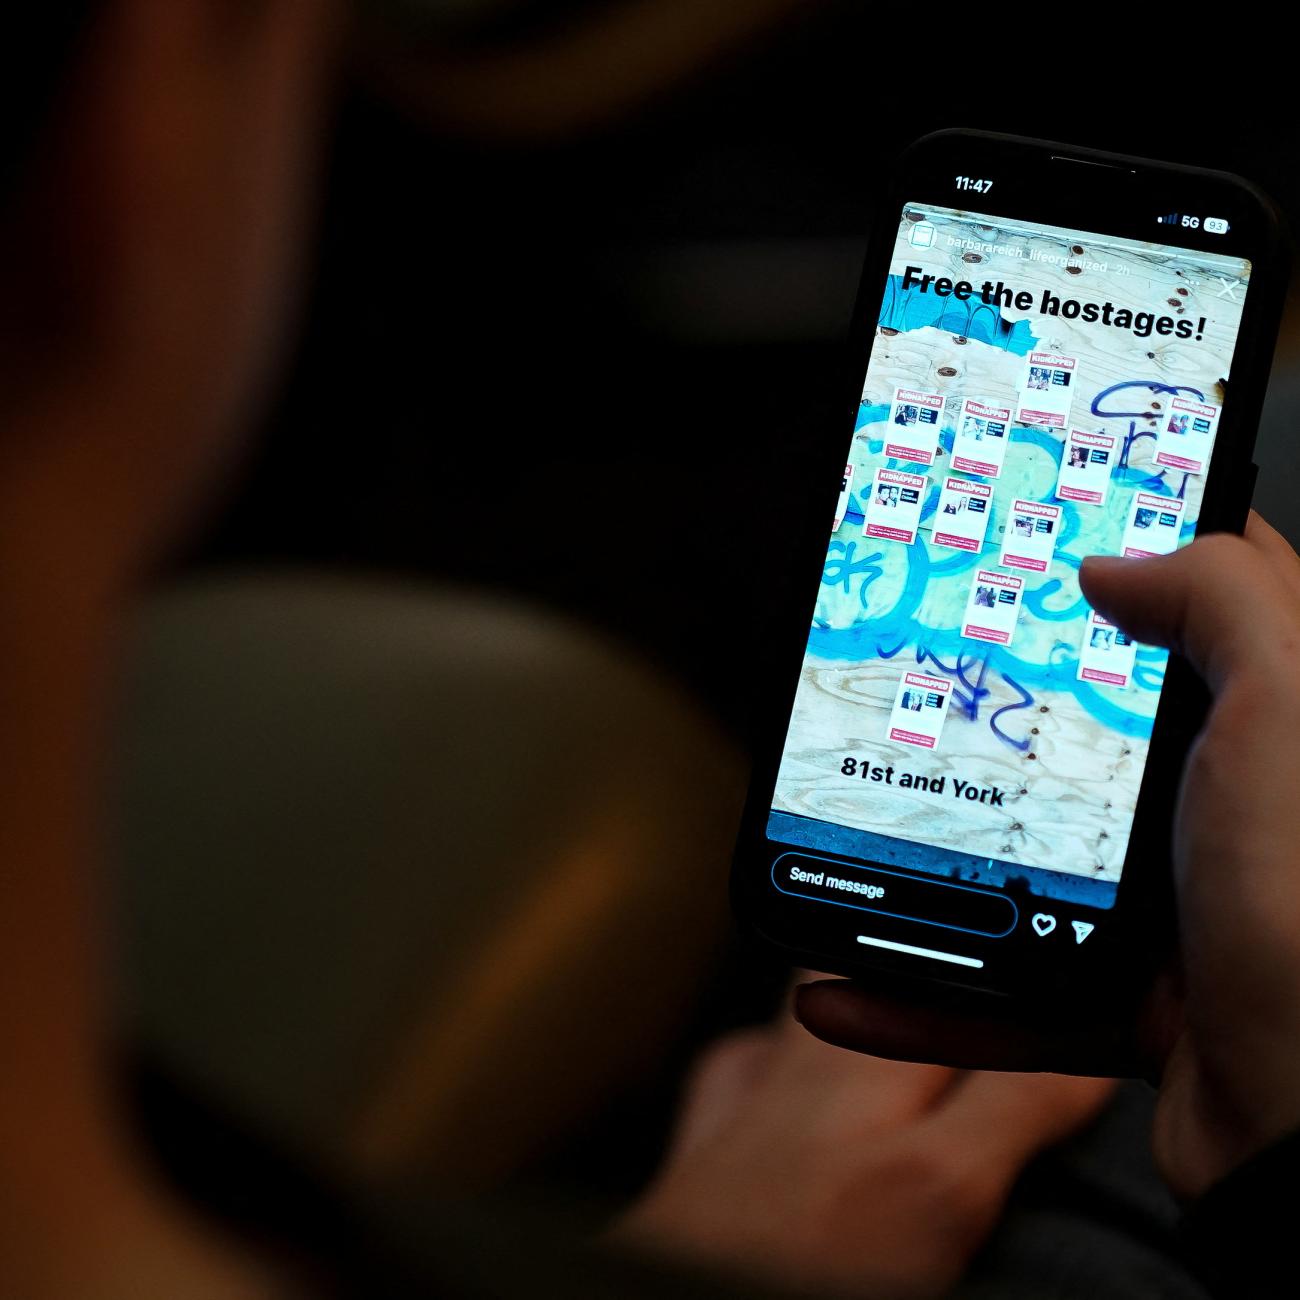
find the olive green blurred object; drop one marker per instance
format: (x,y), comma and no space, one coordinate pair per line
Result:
(412,879)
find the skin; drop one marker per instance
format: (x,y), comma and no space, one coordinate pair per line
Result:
(1224,1036)
(799,1164)
(144,283)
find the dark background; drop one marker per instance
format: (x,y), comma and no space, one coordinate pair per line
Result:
(556,366)
(562,364)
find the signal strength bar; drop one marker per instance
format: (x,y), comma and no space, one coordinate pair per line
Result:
(1170,220)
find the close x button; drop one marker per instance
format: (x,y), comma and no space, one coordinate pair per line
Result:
(873,889)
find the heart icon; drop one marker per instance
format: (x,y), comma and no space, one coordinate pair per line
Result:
(1043,923)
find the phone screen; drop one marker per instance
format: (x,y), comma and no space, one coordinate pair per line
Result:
(1034,395)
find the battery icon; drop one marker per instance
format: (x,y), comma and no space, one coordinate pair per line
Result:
(1216,225)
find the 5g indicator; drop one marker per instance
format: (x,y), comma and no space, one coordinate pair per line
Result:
(1214,225)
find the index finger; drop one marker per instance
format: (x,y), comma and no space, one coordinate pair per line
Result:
(966,1036)
(1218,602)
(1286,563)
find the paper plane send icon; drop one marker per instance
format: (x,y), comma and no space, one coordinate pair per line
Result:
(1082,929)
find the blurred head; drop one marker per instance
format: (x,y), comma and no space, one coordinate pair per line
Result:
(154,197)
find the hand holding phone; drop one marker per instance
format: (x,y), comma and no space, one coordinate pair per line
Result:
(830,1173)
(1225,1038)
(967,782)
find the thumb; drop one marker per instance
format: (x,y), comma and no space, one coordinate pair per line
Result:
(1215,602)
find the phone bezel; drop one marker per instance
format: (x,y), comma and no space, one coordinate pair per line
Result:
(1046,186)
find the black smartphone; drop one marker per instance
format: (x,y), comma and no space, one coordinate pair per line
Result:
(965,775)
